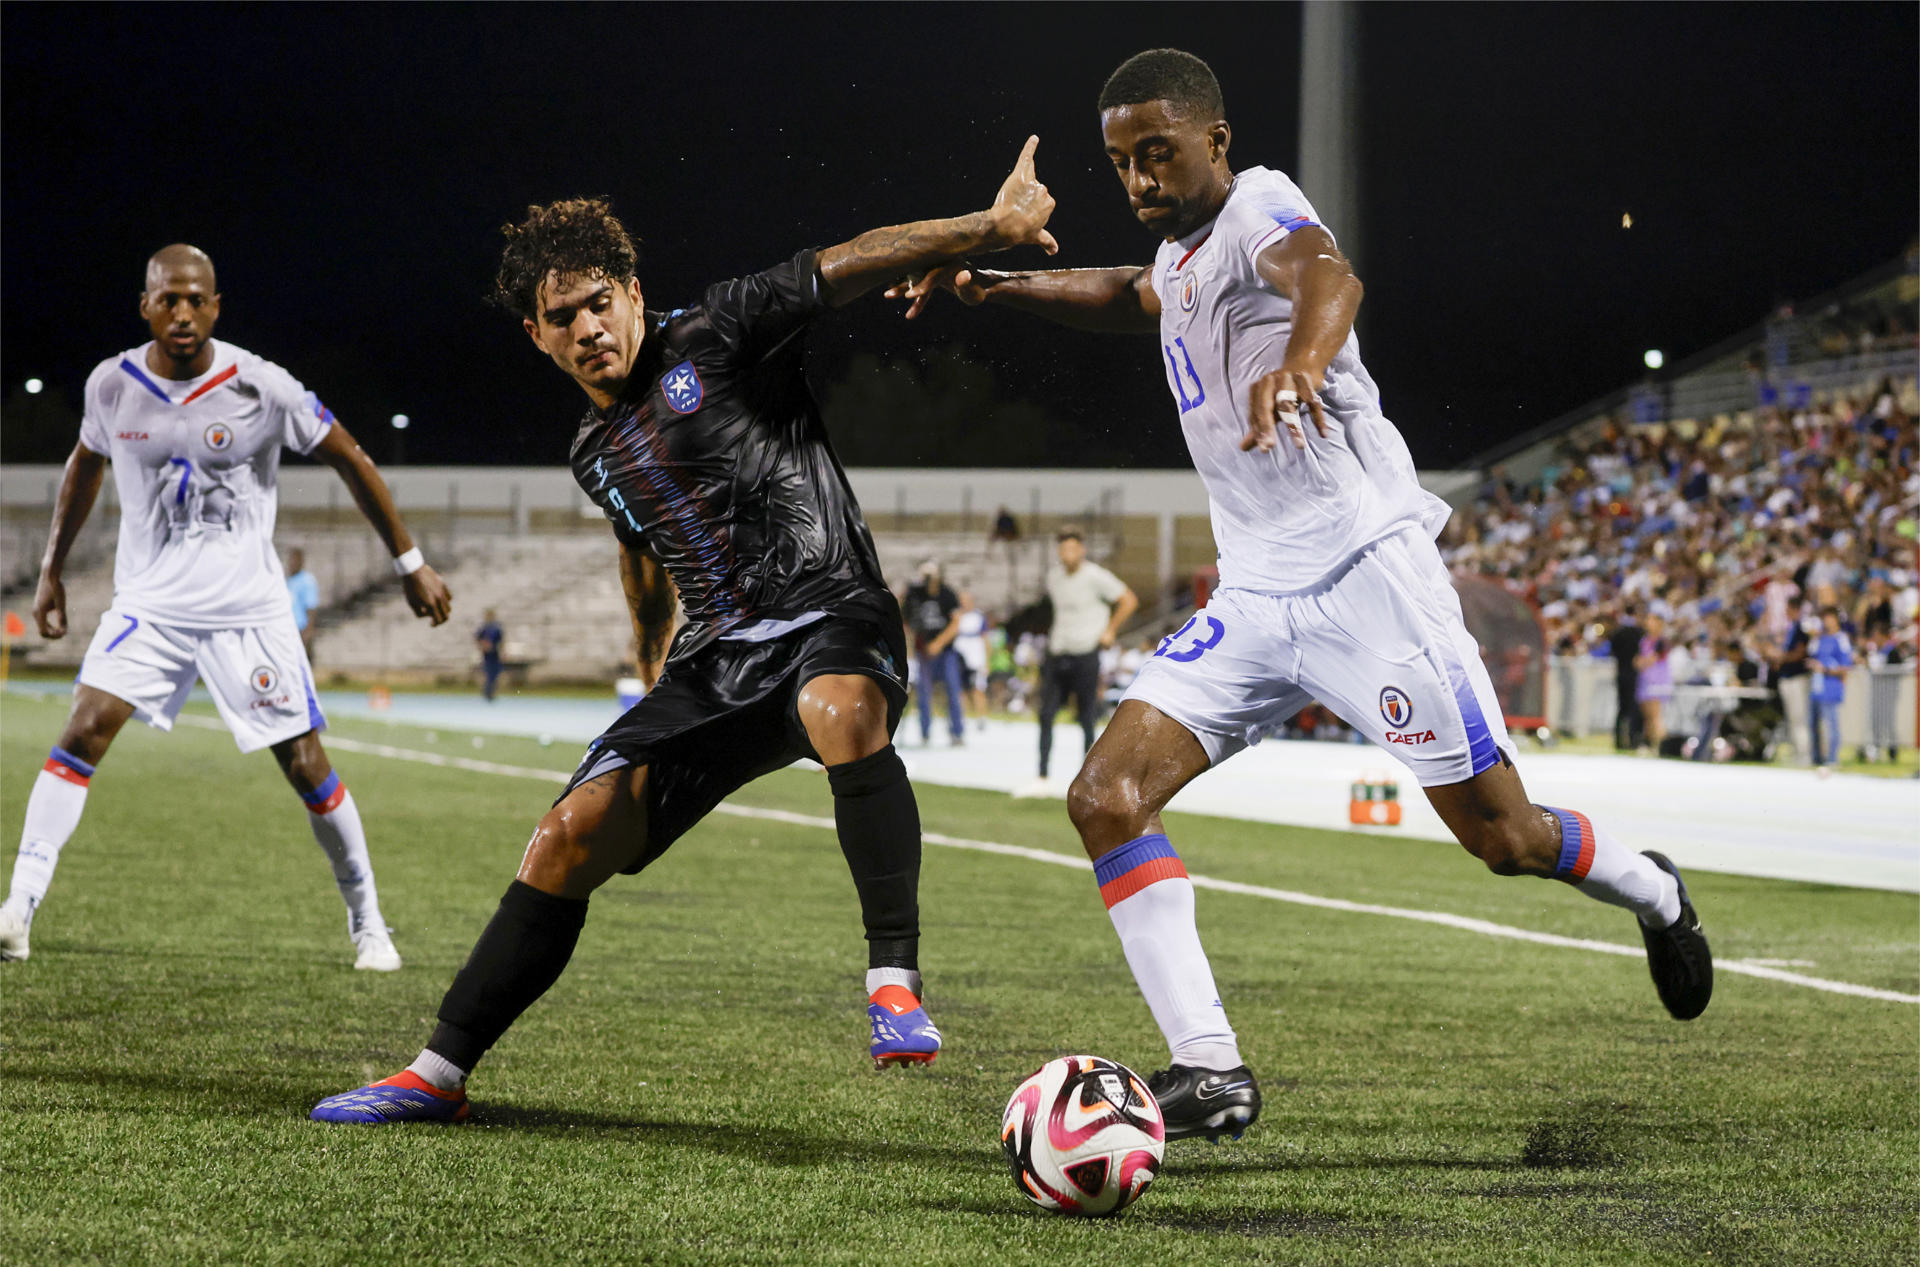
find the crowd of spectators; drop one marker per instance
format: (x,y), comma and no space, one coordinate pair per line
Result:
(1722,543)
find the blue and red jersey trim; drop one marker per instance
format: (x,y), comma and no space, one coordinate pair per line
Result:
(210,384)
(1133,866)
(192,396)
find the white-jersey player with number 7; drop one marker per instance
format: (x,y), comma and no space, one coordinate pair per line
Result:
(194,428)
(1331,587)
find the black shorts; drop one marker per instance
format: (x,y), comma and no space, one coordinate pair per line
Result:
(1077,677)
(729,713)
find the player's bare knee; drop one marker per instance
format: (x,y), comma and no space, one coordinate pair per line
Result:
(1504,845)
(304,761)
(845,718)
(87,738)
(1107,810)
(92,724)
(556,854)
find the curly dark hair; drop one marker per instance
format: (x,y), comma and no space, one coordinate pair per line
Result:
(1169,75)
(576,237)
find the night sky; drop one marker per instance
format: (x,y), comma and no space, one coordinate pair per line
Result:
(348,169)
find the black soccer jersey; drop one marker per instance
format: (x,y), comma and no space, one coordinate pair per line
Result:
(715,459)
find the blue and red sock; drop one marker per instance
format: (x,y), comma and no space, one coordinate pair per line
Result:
(327,797)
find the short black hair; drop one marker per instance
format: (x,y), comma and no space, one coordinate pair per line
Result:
(1166,74)
(576,237)
(1070,533)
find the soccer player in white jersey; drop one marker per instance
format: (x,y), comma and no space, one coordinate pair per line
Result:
(1331,588)
(194,429)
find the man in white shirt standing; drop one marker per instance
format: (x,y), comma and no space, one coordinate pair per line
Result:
(194,429)
(1330,586)
(1089,606)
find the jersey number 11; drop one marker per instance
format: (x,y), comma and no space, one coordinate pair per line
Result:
(1199,396)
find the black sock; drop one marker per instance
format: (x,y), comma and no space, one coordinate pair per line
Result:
(519,956)
(879,824)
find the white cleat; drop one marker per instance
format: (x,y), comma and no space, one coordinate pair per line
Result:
(13,936)
(376,952)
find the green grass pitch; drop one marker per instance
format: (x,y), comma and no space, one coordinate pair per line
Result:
(696,1088)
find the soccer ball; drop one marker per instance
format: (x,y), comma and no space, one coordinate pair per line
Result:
(1083,1136)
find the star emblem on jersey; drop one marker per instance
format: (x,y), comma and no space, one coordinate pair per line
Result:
(264,679)
(218,435)
(682,387)
(1395,707)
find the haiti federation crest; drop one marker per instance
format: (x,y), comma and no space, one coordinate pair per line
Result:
(682,387)
(1395,707)
(265,679)
(219,436)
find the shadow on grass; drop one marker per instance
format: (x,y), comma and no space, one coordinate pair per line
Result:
(1233,1221)
(1264,1162)
(215,1094)
(222,1094)
(769,1145)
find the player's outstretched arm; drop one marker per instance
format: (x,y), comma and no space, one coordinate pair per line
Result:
(1018,217)
(1308,268)
(79,486)
(651,601)
(427,594)
(1115,300)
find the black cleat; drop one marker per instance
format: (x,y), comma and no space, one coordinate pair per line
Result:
(1677,955)
(1206,1102)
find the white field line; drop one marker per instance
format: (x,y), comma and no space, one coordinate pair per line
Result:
(1485,928)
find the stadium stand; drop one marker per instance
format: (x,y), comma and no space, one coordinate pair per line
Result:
(1781,464)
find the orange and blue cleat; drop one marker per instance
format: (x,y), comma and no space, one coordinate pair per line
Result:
(903,1033)
(405,1097)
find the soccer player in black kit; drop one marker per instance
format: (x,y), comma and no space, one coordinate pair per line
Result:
(706,450)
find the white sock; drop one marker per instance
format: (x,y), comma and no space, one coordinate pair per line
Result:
(437,1071)
(1604,869)
(53,811)
(1150,901)
(335,820)
(907,977)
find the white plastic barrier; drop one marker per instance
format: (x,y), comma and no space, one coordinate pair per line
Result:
(1879,708)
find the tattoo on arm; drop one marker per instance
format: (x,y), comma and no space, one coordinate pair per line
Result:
(851,269)
(650,601)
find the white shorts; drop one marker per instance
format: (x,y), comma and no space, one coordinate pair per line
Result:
(1382,644)
(973,658)
(258,675)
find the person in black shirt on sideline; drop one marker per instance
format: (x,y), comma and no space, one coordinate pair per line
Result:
(1629,723)
(707,452)
(932,612)
(489,638)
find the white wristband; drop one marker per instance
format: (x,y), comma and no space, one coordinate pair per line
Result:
(409,563)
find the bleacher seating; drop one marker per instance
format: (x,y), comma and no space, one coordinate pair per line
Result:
(557,597)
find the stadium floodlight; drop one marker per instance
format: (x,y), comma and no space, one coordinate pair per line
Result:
(401,422)
(1655,358)
(34,386)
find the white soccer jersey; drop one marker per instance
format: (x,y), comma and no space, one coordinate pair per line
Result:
(197,464)
(1283,520)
